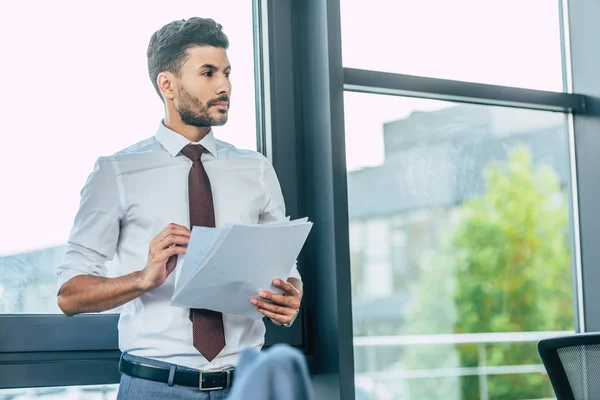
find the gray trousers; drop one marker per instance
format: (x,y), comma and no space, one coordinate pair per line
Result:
(132,388)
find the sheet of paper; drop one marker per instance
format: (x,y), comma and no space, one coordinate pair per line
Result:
(284,223)
(202,240)
(225,274)
(203,243)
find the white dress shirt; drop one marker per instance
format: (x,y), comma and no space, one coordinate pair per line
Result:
(130,197)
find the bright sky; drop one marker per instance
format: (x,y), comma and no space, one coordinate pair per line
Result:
(507,42)
(76,84)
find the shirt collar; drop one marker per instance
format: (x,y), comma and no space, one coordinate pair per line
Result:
(174,142)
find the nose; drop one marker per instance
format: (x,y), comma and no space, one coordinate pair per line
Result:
(223,86)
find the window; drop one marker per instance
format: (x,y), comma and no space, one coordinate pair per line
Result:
(80,89)
(107,392)
(464,247)
(511,43)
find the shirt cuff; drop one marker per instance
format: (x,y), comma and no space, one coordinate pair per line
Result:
(65,276)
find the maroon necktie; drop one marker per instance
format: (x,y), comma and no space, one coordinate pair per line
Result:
(207,325)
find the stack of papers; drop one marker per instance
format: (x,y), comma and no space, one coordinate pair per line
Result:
(224,267)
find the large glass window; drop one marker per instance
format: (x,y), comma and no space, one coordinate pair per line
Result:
(77,88)
(460,246)
(508,42)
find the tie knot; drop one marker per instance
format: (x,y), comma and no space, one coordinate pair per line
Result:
(193,151)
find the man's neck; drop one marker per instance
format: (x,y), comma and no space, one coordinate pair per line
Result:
(192,133)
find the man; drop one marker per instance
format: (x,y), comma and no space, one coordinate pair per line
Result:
(139,206)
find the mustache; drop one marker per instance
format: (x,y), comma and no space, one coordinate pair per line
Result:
(218,100)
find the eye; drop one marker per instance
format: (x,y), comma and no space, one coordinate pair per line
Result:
(207,73)
(227,74)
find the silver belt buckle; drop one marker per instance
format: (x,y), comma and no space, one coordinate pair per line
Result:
(227,383)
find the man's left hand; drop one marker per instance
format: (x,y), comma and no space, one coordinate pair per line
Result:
(280,308)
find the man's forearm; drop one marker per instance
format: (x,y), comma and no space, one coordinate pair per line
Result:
(88,293)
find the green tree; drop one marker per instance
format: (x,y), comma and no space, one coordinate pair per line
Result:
(503,266)
(431,312)
(512,257)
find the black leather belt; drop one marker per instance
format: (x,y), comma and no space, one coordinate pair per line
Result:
(210,380)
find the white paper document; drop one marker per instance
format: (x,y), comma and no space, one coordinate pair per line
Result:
(224,267)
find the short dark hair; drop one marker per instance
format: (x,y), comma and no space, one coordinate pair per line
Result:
(168,46)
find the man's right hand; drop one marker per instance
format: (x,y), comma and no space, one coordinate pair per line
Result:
(171,241)
(90,293)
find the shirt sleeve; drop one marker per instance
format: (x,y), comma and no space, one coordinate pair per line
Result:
(95,232)
(274,208)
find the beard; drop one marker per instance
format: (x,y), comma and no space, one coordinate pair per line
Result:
(193,112)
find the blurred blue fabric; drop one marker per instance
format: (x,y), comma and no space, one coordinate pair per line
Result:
(279,372)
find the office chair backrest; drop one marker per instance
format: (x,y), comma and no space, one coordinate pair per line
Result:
(573,365)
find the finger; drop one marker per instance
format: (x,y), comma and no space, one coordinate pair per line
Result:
(170,240)
(166,253)
(272,307)
(171,263)
(281,319)
(287,287)
(171,229)
(289,301)
(265,312)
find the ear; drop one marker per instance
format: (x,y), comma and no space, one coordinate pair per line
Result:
(167,84)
